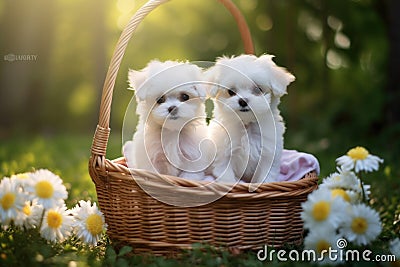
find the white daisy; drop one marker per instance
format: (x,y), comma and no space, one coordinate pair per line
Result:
(21,178)
(323,211)
(350,196)
(355,197)
(362,225)
(344,194)
(57,224)
(359,159)
(321,242)
(367,190)
(346,180)
(349,182)
(47,188)
(394,247)
(30,215)
(89,222)
(12,200)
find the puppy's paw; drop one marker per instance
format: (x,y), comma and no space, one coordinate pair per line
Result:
(225,176)
(197,176)
(128,152)
(226,179)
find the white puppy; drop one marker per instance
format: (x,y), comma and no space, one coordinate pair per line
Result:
(247,128)
(170,104)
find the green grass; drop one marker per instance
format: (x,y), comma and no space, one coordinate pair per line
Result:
(68,157)
(64,156)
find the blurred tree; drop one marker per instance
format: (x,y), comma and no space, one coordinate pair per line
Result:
(390,10)
(99,52)
(337,50)
(28,30)
(78,64)
(344,54)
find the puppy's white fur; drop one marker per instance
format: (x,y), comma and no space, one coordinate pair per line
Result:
(247,129)
(170,104)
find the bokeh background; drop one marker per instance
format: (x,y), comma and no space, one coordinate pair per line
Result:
(345,55)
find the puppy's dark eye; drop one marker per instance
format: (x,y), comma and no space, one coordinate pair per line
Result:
(231,92)
(258,91)
(161,100)
(184,97)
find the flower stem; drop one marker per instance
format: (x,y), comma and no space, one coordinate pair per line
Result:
(41,219)
(363,192)
(364,197)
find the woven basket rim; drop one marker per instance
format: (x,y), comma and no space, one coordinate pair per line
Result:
(238,191)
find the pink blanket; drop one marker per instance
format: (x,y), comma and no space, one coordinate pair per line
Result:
(294,165)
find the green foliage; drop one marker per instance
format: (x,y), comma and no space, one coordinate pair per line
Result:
(64,155)
(27,248)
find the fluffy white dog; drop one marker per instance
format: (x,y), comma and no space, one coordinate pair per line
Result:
(170,104)
(247,128)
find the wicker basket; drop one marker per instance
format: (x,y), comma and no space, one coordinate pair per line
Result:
(238,219)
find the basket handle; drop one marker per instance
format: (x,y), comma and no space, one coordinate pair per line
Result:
(101,136)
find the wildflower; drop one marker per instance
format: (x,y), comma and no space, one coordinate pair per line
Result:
(362,225)
(12,200)
(338,192)
(57,224)
(366,188)
(21,178)
(322,210)
(47,188)
(322,241)
(359,159)
(30,215)
(89,222)
(346,180)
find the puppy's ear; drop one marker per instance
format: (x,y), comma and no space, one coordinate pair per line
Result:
(210,76)
(135,80)
(195,73)
(201,90)
(278,78)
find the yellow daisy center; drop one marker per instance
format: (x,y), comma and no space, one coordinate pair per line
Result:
(94,224)
(341,193)
(27,210)
(321,210)
(322,245)
(54,219)
(358,153)
(7,201)
(359,225)
(44,189)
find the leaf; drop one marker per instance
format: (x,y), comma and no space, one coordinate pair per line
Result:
(124,250)
(111,256)
(122,263)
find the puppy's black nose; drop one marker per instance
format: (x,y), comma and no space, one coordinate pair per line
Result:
(242,102)
(172,110)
